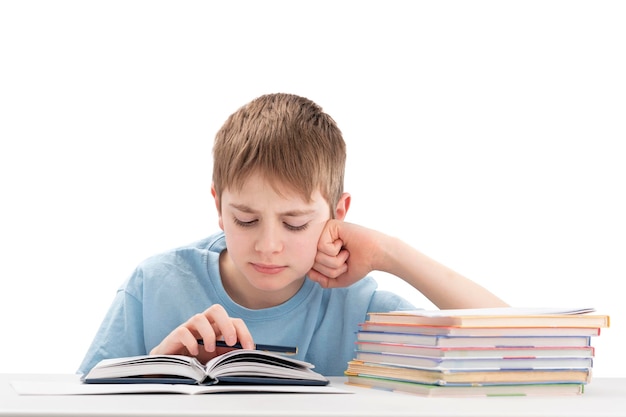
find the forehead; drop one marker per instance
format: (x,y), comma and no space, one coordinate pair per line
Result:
(258,191)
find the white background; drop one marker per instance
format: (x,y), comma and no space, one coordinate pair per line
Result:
(490,135)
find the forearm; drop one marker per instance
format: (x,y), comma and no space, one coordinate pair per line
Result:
(440,284)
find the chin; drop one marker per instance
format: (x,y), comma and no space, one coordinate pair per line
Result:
(273,283)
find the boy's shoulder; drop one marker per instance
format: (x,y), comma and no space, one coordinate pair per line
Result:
(214,243)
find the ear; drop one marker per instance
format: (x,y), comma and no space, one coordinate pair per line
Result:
(342,206)
(217,206)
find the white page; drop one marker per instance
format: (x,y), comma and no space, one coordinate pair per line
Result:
(497,311)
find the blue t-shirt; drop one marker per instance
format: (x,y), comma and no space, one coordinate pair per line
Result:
(167,289)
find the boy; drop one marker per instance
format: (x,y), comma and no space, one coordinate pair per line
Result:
(286,269)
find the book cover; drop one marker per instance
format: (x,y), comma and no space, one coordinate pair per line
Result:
(484,352)
(464,376)
(496,317)
(241,366)
(408,328)
(475,363)
(473,341)
(427,390)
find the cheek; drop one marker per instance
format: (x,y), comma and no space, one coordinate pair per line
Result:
(306,250)
(236,242)
(306,247)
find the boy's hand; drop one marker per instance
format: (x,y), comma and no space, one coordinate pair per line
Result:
(346,253)
(209,325)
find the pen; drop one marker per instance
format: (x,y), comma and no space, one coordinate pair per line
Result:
(285,350)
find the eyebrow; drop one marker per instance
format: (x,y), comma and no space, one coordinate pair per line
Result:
(289,213)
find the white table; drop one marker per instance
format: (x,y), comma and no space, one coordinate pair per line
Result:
(604,397)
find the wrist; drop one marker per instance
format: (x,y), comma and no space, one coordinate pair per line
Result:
(383,254)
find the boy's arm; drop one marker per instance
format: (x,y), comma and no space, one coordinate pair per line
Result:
(347,252)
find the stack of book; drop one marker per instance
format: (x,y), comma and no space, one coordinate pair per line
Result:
(477,352)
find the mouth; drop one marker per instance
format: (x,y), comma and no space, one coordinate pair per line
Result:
(268,269)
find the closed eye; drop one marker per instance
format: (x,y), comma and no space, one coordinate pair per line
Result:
(296,228)
(244,224)
(288,226)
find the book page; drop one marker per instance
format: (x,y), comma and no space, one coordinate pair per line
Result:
(496,311)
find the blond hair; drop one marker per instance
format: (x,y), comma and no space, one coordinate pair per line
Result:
(288,140)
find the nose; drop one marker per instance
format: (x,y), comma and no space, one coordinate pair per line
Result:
(269,239)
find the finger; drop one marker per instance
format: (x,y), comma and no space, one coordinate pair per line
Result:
(243,334)
(329,241)
(330,273)
(331,267)
(203,330)
(180,338)
(327,264)
(332,260)
(222,324)
(330,248)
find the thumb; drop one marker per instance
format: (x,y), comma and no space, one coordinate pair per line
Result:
(321,279)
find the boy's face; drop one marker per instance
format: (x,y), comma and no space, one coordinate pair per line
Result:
(271,239)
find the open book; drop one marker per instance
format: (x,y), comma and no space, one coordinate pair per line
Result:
(241,366)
